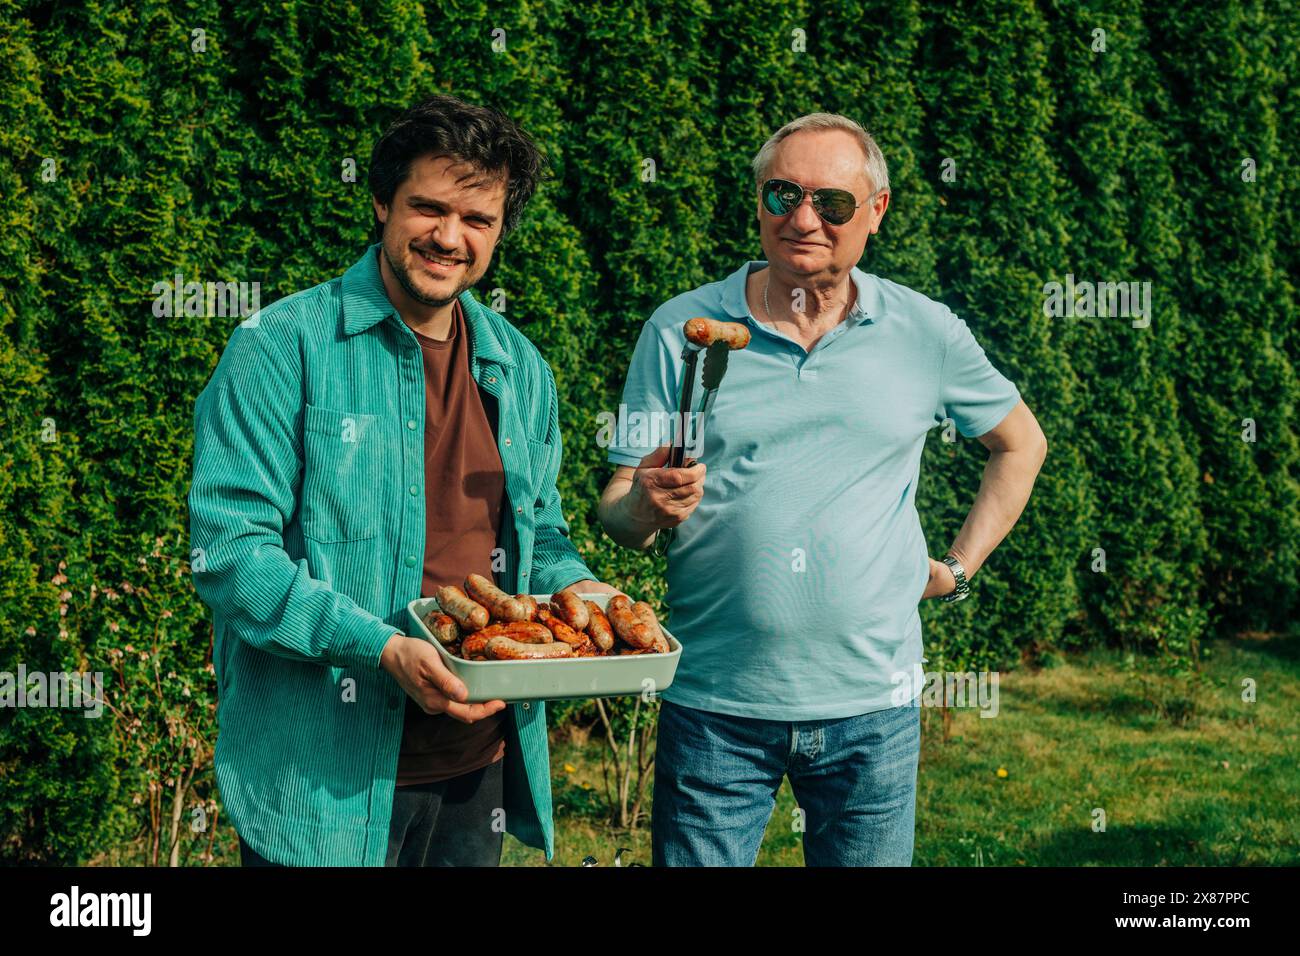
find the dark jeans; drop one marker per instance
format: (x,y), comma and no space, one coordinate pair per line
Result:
(456,822)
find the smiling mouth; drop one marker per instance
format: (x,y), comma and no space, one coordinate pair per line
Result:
(437,260)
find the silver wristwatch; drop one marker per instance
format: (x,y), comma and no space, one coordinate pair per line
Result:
(958,572)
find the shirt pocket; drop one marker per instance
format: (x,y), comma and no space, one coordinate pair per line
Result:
(342,475)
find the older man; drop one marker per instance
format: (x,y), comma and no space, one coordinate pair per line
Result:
(797,567)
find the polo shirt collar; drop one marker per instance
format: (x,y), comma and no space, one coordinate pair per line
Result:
(866,308)
(366,303)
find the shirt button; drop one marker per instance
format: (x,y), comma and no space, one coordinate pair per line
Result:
(507,441)
(414,489)
(492,379)
(527,705)
(410,561)
(410,423)
(519,510)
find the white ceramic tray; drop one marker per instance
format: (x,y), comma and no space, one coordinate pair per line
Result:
(558,679)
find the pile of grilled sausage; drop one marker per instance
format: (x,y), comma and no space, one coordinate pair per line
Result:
(484,623)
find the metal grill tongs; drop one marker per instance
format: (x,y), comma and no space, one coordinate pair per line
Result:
(717,340)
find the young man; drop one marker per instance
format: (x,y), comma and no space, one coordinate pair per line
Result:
(794,581)
(359,445)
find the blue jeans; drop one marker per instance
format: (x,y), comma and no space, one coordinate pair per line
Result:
(716,779)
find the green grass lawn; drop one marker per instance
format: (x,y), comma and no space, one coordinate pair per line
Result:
(1221,787)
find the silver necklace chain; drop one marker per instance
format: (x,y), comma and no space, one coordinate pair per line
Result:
(768,310)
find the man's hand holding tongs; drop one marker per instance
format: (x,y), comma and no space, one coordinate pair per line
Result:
(663,497)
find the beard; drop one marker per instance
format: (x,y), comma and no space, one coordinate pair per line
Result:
(407,282)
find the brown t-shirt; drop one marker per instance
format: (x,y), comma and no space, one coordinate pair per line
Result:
(464,487)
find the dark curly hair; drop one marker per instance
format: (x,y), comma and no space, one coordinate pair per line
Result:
(481,136)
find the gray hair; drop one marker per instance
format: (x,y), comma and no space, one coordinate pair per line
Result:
(876,169)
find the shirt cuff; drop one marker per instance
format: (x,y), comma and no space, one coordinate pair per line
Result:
(993,419)
(360,640)
(561,574)
(623,458)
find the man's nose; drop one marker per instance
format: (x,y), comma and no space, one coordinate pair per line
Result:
(447,234)
(805,218)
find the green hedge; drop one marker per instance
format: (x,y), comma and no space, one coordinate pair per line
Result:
(221,155)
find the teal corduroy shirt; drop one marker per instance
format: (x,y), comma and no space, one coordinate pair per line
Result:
(307,541)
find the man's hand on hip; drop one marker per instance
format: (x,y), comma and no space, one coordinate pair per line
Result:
(942,580)
(416,665)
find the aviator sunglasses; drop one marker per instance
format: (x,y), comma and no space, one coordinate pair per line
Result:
(780,197)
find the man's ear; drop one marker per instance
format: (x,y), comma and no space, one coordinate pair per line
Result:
(883,201)
(381,211)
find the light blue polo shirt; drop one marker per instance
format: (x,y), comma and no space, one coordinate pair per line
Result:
(794,585)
